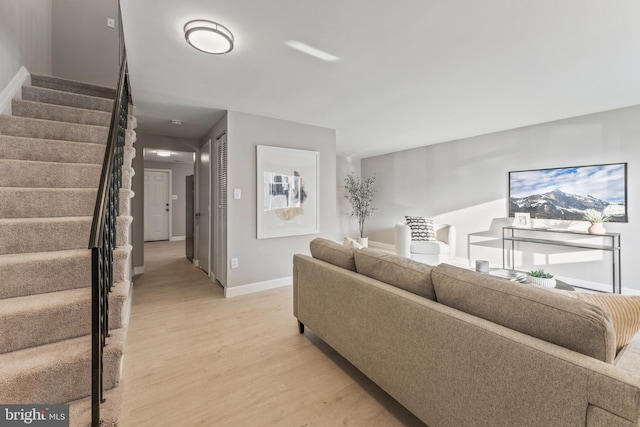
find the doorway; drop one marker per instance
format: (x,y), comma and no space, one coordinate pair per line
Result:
(157,209)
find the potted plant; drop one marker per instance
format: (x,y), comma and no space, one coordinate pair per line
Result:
(540,278)
(360,194)
(596,218)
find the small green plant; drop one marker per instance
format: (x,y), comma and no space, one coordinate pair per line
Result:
(540,273)
(595,216)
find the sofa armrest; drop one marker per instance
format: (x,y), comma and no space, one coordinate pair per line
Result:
(402,240)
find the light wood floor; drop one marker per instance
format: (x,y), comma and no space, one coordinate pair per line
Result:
(194,358)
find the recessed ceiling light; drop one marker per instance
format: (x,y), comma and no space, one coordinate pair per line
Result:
(163,153)
(310,50)
(208,36)
(176,122)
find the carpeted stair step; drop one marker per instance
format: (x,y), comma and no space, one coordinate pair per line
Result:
(59,372)
(39,110)
(65,85)
(16,202)
(50,150)
(27,235)
(110,410)
(51,96)
(41,272)
(27,173)
(36,320)
(47,129)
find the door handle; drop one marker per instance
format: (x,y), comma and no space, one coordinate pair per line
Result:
(197,214)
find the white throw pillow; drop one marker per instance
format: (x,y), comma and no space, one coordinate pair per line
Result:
(350,243)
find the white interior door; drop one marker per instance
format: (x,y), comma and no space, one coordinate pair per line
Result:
(156,205)
(204,217)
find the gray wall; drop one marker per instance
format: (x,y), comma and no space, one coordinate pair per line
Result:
(84,48)
(267,259)
(464,183)
(146,140)
(179,172)
(25,38)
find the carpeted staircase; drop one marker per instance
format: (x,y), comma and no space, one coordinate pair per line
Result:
(51,153)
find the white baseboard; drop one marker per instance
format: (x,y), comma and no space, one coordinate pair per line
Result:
(138,270)
(14,90)
(257,287)
(176,238)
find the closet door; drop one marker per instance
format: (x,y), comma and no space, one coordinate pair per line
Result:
(220,220)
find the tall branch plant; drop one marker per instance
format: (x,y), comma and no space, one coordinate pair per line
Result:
(360,194)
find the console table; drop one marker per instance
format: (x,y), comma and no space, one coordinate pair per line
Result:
(611,243)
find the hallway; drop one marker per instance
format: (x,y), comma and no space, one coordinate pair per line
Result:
(194,358)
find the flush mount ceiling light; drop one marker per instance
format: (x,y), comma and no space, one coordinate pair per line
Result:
(163,153)
(208,36)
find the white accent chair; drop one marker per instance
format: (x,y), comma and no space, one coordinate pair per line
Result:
(428,252)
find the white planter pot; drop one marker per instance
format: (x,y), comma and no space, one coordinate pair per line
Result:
(539,281)
(596,228)
(364,241)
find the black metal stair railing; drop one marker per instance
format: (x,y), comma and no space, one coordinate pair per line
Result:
(103,237)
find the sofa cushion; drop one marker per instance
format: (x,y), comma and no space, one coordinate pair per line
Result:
(422,228)
(333,253)
(624,311)
(537,312)
(403,273)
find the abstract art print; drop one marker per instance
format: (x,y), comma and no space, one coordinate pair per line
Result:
(287,192)
(567,193)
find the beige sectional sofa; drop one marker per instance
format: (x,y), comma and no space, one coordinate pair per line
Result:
(458,348)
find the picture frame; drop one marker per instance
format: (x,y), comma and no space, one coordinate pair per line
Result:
(522,220)
(567,193)
(287,182)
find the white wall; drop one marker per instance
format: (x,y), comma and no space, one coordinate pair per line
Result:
(84,48)
(179,172)
(25,37)
(271,259)
(464,183)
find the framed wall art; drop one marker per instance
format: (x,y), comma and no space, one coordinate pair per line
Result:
(287,192)
(567,193)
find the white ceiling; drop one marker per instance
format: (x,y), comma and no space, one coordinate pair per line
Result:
(412,72)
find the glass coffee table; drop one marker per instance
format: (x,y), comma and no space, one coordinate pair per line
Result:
(521,277)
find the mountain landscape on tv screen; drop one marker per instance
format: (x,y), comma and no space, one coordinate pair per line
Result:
(565,206)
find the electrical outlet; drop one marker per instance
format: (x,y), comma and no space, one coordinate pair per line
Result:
(237,194)
(111,23)
(234,262)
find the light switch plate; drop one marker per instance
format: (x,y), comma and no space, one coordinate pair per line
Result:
(237,194)
(174,197)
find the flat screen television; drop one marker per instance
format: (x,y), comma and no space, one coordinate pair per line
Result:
(566,193)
